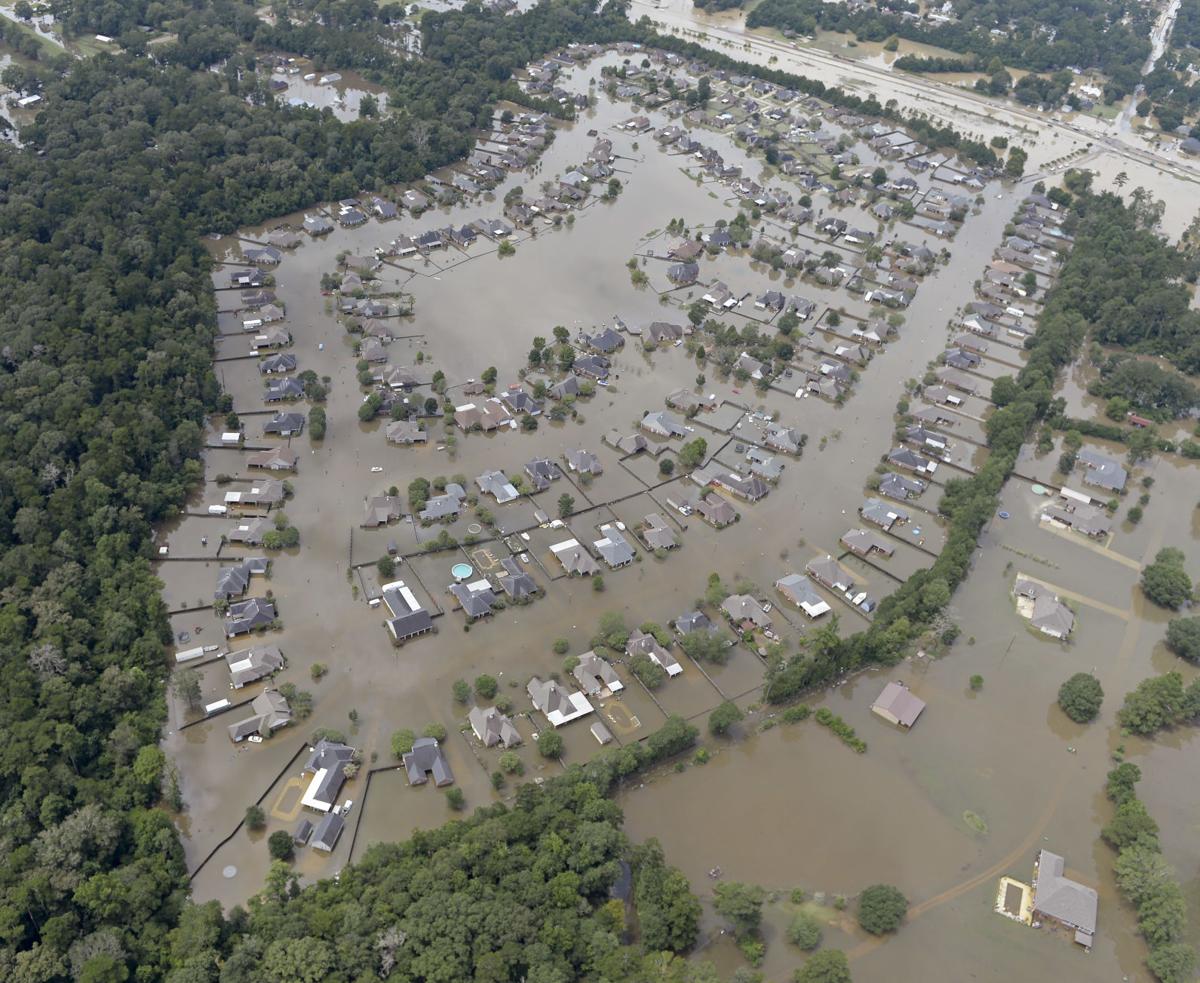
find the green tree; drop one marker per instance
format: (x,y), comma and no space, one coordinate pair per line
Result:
(486,686)
(826,966)
(510,763)
(455,799)
(668,912)
(804,931)
(1129,822)
(255,818)
(1155,703)
(724,717)
(692,454)
(550,744)
(881,909)
(1165,582)
(280,845)
(462,690)
(741,904)
(566,505)
(402,742)
(185,684)
(1080,697)
(1183,638)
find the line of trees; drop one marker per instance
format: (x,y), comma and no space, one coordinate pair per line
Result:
(1146,881)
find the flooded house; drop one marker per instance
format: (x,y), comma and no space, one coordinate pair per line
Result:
(626,444)
(250,532)
(1043,609)
(486,416)
(583,462)
(263,493)
(558,705)
(613,547)
(657,534)
(575,560)
(269,712)
(491,727)
(408,618)
(278,363)
(444,506)
(1062,901)
(496,484)
(642,643)
(235,581)
(516,583)
(327,832)
(881,514)
(827,572)
(427,758)
(745,613)
(1074,510)
(382,510)
(405,433)
(897,705)
(596,677)
(864,542)
(252,664)
(716,511)
(785,439)
(1102,471)
(660,423)
(273,459)
(476,599)
(909,460)
(327,763)
(799,591)
(252,614)
(542,472)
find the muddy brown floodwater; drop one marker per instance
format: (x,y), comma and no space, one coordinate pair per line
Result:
(971,793)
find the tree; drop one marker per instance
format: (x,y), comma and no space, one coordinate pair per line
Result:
(550,744)
(486,686)
(741,904)
(455,799)
(1130,822)
(724,717)
(668,912)
(280,845)
(976,683)
(1174,962)
(566,505)
(1156,703)
(386,566)
(1183,638)
(185,684)
(510,763)
(804,931)
(705,647)
(255,818)
(436,731)
(666,467)
(692,454)
(462,690)
(826,966)
(561,646)
(1080,697)
(1165,582)
(402,742)
(881,909)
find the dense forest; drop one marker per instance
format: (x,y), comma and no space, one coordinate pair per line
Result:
(1036,36)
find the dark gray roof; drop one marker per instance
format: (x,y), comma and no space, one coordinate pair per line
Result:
(426,756)
(328,830)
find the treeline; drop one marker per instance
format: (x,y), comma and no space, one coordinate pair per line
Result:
(1083,33)
(715,6)
(928,63)
(1146,881)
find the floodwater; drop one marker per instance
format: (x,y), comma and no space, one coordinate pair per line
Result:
(823,818)
(342,95)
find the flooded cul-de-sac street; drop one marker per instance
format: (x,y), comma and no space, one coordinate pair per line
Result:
(516,374)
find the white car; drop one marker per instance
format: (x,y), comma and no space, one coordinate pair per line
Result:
(346,807)
(376,470)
